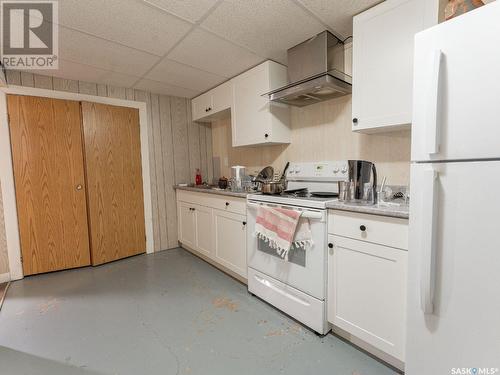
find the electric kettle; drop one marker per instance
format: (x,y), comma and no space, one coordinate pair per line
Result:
(362,182)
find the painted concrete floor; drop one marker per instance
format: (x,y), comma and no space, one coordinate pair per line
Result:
(167,313)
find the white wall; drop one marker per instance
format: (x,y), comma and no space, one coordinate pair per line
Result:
(320,132)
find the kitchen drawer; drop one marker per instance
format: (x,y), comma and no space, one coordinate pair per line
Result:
(220,202)
(381,230)
(231,204)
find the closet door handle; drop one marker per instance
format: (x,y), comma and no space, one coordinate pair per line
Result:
(79,187)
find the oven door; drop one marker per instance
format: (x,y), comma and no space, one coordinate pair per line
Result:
(305,269)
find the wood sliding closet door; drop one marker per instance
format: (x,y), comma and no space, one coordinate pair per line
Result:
(47,154)
(114,180)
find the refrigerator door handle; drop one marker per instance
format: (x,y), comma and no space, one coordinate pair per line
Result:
(429,231)
(433,105)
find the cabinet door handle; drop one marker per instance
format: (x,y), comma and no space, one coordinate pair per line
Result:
(362,228)
(244,223)
(266,135)
(330,245)
(355,121)
(227,204)
(79,187)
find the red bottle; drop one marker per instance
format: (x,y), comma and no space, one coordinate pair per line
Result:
(198,177)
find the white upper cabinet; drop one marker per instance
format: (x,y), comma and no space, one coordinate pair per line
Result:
(213,103)
(201,105)
(383,41)
(255,120)
(222,97)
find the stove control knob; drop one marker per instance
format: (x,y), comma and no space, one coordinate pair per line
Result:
(344,170)
(336,170)
(297,171)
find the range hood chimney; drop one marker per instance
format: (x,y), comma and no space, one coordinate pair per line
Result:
(315,72)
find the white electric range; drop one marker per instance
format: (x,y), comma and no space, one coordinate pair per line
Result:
(296,285)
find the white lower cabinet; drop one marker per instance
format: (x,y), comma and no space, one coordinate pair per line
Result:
(230,236)
(367,287)
(187,223)
(215,227)
(203,233)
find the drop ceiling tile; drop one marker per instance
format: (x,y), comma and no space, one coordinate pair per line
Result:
(89,50)
(338,13)
(190,10)
(174,73)
(132,23)
(164,89)
(266,27)
(86,73)
(210,53)
(75,71)
(117,79)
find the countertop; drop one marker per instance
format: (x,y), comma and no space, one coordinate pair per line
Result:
(212,191)
(401,211)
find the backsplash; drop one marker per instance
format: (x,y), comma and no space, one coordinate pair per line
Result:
(319,132)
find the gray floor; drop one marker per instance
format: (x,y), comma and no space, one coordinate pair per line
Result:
(168,313)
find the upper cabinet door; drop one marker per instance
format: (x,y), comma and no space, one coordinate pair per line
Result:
(457,88)
(222,97)
(202,106)
(255,120)
(383,62)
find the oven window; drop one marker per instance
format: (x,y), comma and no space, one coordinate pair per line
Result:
(297,255)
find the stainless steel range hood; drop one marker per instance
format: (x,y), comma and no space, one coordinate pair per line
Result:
(316,72)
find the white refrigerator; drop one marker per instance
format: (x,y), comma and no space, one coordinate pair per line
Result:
(453,311)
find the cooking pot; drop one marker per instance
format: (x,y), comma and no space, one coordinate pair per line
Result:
(272,187)
(275,187)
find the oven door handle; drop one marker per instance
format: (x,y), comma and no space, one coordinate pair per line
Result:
(305,214)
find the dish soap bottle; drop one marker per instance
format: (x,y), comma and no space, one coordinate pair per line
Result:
(198,177)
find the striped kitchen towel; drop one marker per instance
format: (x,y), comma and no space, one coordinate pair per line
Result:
(280,228)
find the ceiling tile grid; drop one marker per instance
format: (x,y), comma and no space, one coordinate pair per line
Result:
(128,22)
(266,27)
(191,11)
(163,88)
(181,75)
(186,47)
(80,72)
(337,14)
(203,50)
(100,53)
